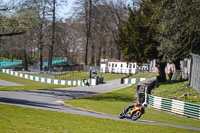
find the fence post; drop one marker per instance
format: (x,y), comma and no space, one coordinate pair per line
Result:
(146,95)
(195,72)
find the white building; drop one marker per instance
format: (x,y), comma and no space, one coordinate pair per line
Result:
(120,67)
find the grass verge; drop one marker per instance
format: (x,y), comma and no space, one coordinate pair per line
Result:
(109,76)
(113,102)
(144,75)
(177,90)
(28,84)
(79,75)
(26,120)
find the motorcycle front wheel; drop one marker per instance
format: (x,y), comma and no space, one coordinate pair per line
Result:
(136,115)
(122,115)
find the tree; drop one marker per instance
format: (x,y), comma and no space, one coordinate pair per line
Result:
(104,22)
(53,36)
(38,12)
(10,25)
(136,36)
(116,13)
(161,30)
(88,12)
(53,5)
(178,30)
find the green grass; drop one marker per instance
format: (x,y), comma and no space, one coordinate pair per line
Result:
(68,75)
(113,102)
(79,75)
(85,75)
(144,75)
(27,120)
(28,84)
(176,90)
(108,76)
(110,103)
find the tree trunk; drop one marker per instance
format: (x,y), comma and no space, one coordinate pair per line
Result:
(162,72)
(50,66)
(25,61)
(177,64)
(88,12)
(118,53)
(92,56)
(41,48)
(98,59)
(41,58)
(86,52)
(41,38)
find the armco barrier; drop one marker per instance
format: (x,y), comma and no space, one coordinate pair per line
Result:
(165,104)
(131,81)
(47,80)
(175,106)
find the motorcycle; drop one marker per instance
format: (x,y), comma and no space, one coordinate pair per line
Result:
(133,112)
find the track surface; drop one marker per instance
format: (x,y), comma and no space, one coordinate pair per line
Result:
(6,83)
(52,100)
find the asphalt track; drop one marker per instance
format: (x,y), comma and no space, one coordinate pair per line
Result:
(6,83)
(52,99)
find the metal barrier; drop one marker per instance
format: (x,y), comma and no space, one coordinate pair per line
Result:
(132,81)
(195,72)
(165,104)
(92,82)
(174,106)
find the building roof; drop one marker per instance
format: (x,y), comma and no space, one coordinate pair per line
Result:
(120,61)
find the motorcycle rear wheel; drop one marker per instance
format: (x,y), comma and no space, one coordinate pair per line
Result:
(136,115)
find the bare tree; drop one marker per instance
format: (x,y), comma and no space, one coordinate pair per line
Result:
(88,12)
(101,27)
(53,36)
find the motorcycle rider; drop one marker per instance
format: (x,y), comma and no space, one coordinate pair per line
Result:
(137,105)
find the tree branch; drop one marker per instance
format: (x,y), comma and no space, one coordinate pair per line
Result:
(12,34)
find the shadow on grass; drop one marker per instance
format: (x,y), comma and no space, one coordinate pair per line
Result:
(64,94)
(171,82)
(27,103)
(110,97)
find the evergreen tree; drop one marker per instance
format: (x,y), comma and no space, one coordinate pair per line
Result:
(178,29)
(137,36)
(161,30)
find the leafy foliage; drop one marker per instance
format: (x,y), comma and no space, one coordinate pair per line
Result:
(136,35)
(178,29)
(162,30)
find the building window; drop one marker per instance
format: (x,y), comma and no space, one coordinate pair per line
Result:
(130,65)
(133,65)
(112,64)
(121,65)
(115,65)
(109,65)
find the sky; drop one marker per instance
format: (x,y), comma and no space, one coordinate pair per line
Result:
(67,11)
(69,8)
(64,11)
